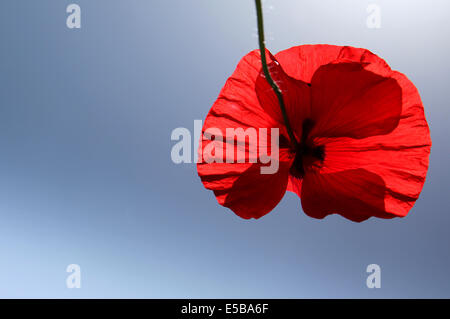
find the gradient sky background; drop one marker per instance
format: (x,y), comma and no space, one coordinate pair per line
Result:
(86,175)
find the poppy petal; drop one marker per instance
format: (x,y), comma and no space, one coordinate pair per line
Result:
(355,194)
(348,100)
(248,193)
(381,175)
(301,62)
(241,186)
(237,104)
(342,79)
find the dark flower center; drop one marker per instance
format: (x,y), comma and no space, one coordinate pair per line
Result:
(307,153)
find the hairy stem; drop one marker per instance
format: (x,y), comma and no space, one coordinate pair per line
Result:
(276,89)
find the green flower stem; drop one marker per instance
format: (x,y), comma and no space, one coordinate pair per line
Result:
(276,89)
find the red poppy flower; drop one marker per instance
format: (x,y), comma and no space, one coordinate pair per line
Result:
(363,141)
